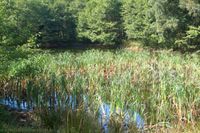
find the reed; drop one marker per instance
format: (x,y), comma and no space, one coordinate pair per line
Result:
(162,86)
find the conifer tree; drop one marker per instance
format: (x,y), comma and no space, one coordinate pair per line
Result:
(99,21)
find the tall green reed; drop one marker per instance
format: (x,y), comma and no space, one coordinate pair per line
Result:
(162,86)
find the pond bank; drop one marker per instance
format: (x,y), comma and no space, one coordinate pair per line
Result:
(106,113)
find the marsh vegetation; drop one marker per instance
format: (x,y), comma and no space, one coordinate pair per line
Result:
(99,65)
(161,86)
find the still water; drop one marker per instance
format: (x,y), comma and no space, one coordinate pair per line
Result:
(105,110)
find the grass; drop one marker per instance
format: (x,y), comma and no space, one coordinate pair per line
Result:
(50,121)
(162,86)
(10,121)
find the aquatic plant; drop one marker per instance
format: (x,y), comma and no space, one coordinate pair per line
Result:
(161,86)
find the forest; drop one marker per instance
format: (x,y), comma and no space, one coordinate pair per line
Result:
(99,66)
(53,23)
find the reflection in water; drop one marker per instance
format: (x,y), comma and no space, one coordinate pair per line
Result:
(70,101)
(14,104)
(129,117)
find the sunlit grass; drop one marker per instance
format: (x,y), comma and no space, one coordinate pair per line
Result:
(162,86)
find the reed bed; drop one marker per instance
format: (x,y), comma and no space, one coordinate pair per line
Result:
(162,86)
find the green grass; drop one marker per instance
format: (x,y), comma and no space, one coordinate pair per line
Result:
(9,122)
(50,122)
(162,86)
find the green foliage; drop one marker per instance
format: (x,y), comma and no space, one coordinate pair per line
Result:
(59,27)
(193,8)
(192,38)
(154,21)
(50,23)
(27,67)
(158,21)
(166,14)
(99,21)
(134,14)
(8,22)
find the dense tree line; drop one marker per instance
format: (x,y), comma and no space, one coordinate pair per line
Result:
(162,23)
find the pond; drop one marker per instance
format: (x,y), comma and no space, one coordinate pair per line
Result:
(105,111)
